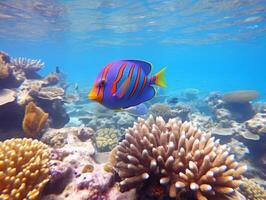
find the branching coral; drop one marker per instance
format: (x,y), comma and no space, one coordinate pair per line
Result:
(27,64)
(34,120)
(23,169)
(179,157)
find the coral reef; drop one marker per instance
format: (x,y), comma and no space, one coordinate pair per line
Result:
(7,96)
(23,169)
(27,64)
(58,138)
(198,120)
(4,71)
(74,172)
(98,117)
(34,120)
(106,139)
(242,96)
(251,190)
(24,85)
(179,157)
(257,124)
(4,65)
(161,109)
(238,148)
(238,102)
(51,79)
(181,110)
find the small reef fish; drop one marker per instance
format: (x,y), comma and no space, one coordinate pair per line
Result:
(125,83)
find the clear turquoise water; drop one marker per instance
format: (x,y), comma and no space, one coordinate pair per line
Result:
(209,45)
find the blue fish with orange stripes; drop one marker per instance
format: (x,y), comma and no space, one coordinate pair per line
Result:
(125,83)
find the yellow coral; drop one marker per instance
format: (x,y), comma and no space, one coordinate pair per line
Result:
(252,190)
(34,120)
(106,139)
(23,169)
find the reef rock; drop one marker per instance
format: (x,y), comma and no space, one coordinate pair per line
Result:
(7,96)
(238,102)
(161,109)
(242,96)
(74,172)
(203,121)
(257,124)
(58,138)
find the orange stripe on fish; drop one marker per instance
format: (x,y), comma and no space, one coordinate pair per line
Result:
(127,82)
(101,89)
(143,85)
(136,83)
(118,78)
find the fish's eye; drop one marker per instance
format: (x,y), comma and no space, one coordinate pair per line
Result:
(102,83)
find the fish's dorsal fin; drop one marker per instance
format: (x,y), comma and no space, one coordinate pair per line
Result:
(145,66)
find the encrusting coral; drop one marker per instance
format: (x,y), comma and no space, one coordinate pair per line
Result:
(106,139)
(34,120)
(178,157)
(23,169)
(252,190)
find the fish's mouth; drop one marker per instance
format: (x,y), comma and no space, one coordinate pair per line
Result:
(92,96)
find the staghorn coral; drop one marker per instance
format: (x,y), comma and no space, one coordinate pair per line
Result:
(27,64)
(106,139)
(252,190)
(179,157)
(23,169)
(34,120)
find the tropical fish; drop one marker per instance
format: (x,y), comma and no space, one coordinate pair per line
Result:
(125,83)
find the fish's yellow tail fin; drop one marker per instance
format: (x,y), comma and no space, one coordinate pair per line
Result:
(160,78)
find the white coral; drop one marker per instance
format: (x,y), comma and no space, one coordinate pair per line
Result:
(27,64)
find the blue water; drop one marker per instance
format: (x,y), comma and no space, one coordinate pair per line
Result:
(209,45)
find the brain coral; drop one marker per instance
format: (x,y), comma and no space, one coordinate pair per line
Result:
(106,139)
(178,157)
(23,169)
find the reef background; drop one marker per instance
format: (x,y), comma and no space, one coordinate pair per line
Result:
(71,148)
